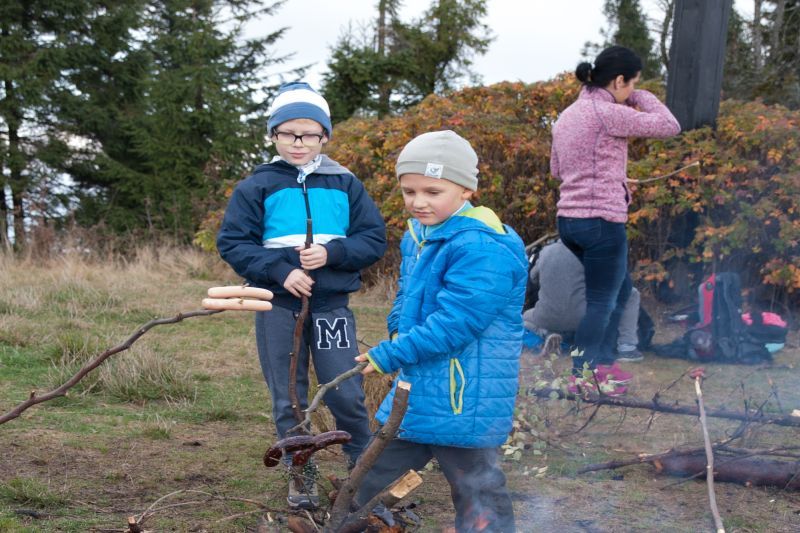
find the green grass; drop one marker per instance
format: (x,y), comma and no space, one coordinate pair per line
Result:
(31,493)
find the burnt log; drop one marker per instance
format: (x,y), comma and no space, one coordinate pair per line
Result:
(746,471)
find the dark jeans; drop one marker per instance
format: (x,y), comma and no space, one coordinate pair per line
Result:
(477,484)
(602,248)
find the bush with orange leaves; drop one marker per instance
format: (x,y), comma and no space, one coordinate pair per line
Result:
(737,210)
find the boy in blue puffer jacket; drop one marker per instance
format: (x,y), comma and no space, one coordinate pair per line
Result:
(456,329)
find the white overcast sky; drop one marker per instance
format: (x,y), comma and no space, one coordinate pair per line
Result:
(534,39)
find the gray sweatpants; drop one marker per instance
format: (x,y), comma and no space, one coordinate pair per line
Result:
(477,484)
(331,335)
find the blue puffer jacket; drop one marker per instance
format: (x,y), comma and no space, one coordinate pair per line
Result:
(458,315)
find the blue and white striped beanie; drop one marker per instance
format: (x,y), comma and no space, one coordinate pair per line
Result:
(298,100)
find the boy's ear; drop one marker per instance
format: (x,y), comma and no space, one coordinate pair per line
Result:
(466,194)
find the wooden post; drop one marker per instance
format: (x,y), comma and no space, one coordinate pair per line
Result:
(697,54)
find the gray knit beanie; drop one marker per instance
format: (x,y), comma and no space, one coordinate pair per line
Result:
(440,154)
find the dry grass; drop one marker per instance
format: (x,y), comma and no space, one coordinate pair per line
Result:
(186,408)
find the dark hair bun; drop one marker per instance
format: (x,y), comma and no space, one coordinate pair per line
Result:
(584,72)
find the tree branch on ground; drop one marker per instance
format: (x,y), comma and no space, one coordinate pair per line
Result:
(33,399)
(655,405)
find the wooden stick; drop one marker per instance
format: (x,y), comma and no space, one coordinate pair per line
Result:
(390,496)
(305,425)
(669,175)
(655,405)
(33,399)
(298,330)
(712,497)
(341,507)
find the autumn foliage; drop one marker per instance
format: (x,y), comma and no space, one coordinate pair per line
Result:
(737,210)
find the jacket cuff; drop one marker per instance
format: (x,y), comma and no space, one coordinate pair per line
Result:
(374,364)
(279,272)
(335,252)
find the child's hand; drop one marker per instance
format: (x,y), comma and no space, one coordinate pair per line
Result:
(298,283)
(315,256)
(369,369)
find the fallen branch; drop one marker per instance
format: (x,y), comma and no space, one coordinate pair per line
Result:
(33,399)
(655,405)
(748,472)
(712,497)
(341,507)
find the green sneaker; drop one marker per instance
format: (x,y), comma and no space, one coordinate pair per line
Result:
(303,493)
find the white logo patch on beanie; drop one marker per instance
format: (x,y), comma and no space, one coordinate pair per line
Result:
(434,170)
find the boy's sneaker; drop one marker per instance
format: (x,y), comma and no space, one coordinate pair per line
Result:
(629,356)
(613,374)
(303,493)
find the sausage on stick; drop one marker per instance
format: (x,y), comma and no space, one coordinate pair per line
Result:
(236,304)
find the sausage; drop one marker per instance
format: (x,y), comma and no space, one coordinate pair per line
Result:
(236,304)
(323,440)
(303,447)
(239,291)
(289,444)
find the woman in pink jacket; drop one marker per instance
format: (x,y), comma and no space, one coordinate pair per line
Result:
(590,156)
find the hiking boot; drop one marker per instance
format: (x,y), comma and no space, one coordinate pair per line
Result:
(613,374)
(629,356)
(303,493)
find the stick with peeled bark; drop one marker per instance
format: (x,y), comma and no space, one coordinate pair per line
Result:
(698,375)
(341,507)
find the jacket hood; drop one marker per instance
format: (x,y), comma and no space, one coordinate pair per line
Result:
(480,218)
(327,166)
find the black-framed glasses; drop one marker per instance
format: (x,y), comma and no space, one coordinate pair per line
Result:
(309,140)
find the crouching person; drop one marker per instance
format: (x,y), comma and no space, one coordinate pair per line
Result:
(456,330)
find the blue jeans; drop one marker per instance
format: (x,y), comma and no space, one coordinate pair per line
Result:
(602,248)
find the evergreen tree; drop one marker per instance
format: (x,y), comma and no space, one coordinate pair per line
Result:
(779,81)
(167,114)
(34,54)
(627,27)
(739,75)
(401,63)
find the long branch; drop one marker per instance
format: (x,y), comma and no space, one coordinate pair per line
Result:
(654,405)
(33,399)
(712,497)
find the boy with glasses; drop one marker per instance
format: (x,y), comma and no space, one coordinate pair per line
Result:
(263,237)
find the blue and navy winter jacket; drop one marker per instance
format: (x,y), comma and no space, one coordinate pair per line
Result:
(266,219)
(458,315)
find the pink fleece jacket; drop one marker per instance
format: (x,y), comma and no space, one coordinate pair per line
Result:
(590,150)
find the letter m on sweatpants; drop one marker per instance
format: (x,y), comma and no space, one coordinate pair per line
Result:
(328,332)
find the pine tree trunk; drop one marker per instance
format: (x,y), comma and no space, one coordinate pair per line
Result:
(757,43)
